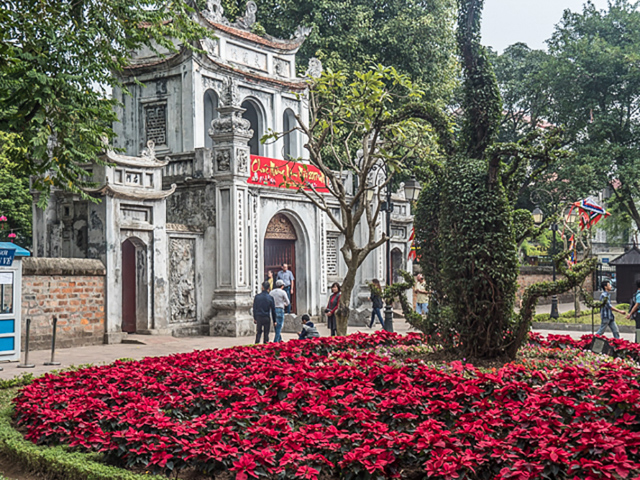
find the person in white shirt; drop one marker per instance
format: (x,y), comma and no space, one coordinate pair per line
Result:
(281,300)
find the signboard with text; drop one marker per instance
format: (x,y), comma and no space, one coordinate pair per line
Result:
(6,257)
(271,172)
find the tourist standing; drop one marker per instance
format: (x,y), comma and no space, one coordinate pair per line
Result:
(376,302)
(287,277)
(270,279)
(281,301)
(264,311)
(332,306)
(606,311)
(422,295)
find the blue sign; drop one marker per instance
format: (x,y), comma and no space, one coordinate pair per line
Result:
(6,256)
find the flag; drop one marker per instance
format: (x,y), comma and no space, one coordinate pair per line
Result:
(589,212)
(412,251)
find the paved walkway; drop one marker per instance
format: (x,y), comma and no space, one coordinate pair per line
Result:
(157,345)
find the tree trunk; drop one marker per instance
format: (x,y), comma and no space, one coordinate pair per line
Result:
(342,314)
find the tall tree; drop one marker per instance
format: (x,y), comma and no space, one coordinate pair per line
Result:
(466,226)
(593,75)
(414,36)
(57,60)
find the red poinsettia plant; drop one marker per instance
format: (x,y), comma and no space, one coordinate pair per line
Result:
(345,407)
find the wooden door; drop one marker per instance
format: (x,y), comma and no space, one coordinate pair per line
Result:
(129,319)
(277,252)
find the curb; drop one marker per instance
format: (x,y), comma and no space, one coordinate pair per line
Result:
(577,327)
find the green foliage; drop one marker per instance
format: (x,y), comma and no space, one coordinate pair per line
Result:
(414,36)
(15,199)
(467,230)
(57,61)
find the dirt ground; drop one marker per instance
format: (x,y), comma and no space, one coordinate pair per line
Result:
(9,470)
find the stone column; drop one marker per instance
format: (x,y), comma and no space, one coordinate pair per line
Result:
(230,155)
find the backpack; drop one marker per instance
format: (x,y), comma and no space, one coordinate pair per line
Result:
(632,302)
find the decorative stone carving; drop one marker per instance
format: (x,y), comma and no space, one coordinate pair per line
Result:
(255,244)
(233,123)
(150,151)
(182,280)
(230,95)
(315,68)
(281,67)
(223,160)
(301,32)
(249,19)
(210,46)
(244,56)
(280,228)
(161,86)
(214,11)
(241,238)
(243,161)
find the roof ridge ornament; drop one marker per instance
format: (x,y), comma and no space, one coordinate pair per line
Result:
(249,19)
(301,32)
(215,12)
(150,151)
(314,70)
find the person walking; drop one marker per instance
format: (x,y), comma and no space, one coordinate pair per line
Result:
(264,311)
(633,312)
(287,277)
(281,302)
(376,302)
(422,296)
(606,311)
(332,306)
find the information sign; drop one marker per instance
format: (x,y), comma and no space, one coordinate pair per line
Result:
(6,256)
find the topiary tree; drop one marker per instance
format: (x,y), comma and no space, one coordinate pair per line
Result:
(467,229)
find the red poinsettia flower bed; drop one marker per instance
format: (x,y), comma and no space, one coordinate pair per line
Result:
(347,408)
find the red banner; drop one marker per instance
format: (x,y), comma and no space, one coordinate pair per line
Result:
(271,172)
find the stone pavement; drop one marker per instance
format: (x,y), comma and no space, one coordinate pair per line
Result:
(157,345)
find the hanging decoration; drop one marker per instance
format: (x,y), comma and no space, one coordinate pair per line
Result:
(589,212)
(412,251)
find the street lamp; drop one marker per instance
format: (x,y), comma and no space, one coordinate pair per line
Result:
(412,189)
(538,217)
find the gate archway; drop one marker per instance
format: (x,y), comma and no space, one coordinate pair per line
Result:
(280,247)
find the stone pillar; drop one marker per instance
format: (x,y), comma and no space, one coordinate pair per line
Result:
(230,155)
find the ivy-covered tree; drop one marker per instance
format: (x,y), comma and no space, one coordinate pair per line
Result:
(57,60)
(466,225)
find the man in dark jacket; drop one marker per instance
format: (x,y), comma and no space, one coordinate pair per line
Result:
(263,308)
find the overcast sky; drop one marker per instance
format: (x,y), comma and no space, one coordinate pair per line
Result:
(506,22)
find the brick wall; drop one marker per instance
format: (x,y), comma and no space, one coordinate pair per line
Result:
(71,289)
(530,275)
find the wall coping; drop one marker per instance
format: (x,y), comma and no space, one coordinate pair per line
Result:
(536,270)
(63,266)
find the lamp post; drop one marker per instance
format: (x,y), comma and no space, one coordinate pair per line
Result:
(538,217)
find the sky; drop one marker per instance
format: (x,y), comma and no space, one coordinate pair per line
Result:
(506,22)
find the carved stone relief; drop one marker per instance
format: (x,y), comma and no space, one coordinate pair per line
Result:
(301,32)
(161,86)
(244,56)
(243,161)
(212,47)
(212,83)
(182,280)
(280,228)
(223,160)
(282,67)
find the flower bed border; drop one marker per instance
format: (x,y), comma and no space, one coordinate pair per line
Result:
(53,463)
